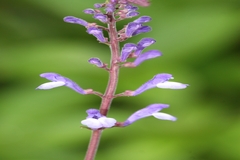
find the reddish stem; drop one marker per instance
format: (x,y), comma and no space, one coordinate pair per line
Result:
(111,87)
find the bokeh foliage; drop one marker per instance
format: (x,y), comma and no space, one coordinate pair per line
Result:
(200,41)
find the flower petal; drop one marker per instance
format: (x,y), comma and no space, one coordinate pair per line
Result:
(96,61)
(93,113)
(131,28)
(159,78)
(143,19)
(164,116)
(98,33)
(50,85)
(71,19)
(69,83)
(92,123)
(145,112)
(127,49)
(89,11)
(101,17)
(147,55)
(107,122)
(172,85)
(142,29)
(143,43)
(132,14)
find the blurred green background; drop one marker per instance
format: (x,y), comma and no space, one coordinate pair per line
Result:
(200,42)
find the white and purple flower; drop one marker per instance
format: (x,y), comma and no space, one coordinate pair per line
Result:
(57,81)
(160,81)
(151,110)
(95,120)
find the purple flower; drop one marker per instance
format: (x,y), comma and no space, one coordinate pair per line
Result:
(96,61)
(127,49)
(130,7)
(98,5)
(131,28)
(136,27)
(143,43)
(142,29)
(160,81)
(71,19)
(151,110)
(132,14)
(142,57)
(143,19)
(89,11)
(95,120)
(101,17)
(57,81)
(98,33)
(147,55)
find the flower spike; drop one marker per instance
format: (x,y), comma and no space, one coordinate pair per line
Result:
(151,110)
(57,81)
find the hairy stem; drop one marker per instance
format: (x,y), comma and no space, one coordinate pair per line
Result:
(111,87)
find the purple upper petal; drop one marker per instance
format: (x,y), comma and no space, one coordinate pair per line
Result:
(89,11)
(132,14)
(147,55)
(142,29)
(145,112)
(159,78)
(98,33)
(143,19)
(127,49)
(131,28)
(96,61)
(130,7)
(69,83)
(98,5)
(143,43)
(94,113)
(95,120)
(101,17)
(71,19)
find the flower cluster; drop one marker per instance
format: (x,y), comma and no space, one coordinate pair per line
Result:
(117,10)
